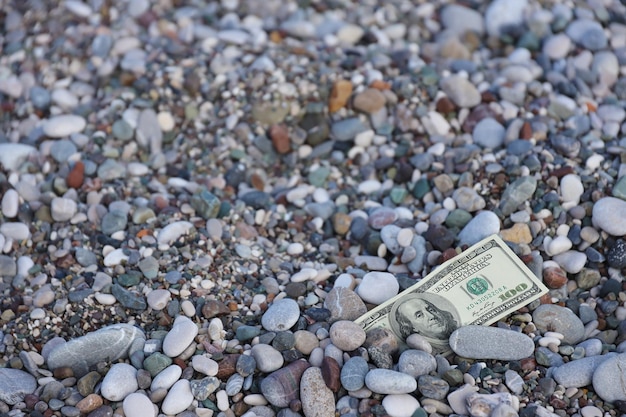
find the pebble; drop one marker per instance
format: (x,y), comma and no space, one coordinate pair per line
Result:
(571,188)
(488,133)
(267,358)
(468,342)
(608,214)
(119,382)
(64,125)
(178,398)
(608,379)
(416,363)
(281,315)
(138,405)
(344,304)
(10,203)
(378,287)
(501,14)
(516,193)
(181,335)
(281,387)
(578,373)
(317,399)
(484,224)
(109,343)
(353,373)
(386,381)
(173,231)
(347,335)
(16,231)
(400,405)
(462,92)
(15,384)
(554,318)
(12,155)
(166,378)
(62,209)
(571,261)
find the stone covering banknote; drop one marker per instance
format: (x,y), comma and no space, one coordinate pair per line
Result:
(479,286)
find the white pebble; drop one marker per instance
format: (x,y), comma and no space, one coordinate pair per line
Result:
(222,400)
(10,203)
(405,237)
(295,249)
(105,299)
(158,299)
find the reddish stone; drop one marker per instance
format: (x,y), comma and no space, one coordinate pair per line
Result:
(63,372)
(227,366)
(76,176)
(554,277)
(89,403)
(339,95)
(331,373)
(445,105)
(448,254)
(526,132)
(280,138)
(214,308)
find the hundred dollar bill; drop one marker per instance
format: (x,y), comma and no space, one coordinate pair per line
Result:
(479,286)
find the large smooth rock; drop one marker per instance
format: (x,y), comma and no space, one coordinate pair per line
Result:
(386,381)
(317,399)
(180,337)
(550,317)
(609,214)
(579,373)
(283,386)
(483,342)
(105,345)
(119,382)
(12,155)
(609,379)
(14,384)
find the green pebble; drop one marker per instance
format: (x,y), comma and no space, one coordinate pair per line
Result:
(421,188)
(156,362)
(237,154)
(129,279)
(453,377)
(206,204)
(398,194)
(122,130)
(619,189)
(458,218)
(191,111)
(420,412)
(318,177)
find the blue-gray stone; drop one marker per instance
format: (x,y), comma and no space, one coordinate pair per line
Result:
(256,199)
(416,363)
(14,384)
(546,357)
(85,257)
(122,130)
(488,133)
(519,147)
(579,373)
(114,221)
(101,45)
(40,97)
(484,342)
(129,299)
(105,345)
(433,387)
(353,373)
(206,204)
(347,129)
(519,191)
(62,149)
(551,317)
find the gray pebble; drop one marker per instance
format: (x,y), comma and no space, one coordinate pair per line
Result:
(579,373)
(550,317)
(483,342)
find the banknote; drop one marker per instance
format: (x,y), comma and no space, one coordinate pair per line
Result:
(479,286)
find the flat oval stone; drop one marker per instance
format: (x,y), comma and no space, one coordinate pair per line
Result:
(554,318)
(180,337)
(281,315)
(138,405)
(347,335)
(64,125)
(283,386)
(267,358)
(609,214)
(400,405)
(107,344)
(378,287)
(353,373)
(178,398)
(166,378)
(609,377)
(386,381)
(317,399)
(483,342)
(579,373)
(15,384)
(344,304)
(120,381)
(416,363)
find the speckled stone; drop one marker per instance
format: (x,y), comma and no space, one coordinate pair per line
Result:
(549,317)
(317,399)
(483,342)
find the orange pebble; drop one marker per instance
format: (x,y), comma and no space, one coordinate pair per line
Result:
(76,176)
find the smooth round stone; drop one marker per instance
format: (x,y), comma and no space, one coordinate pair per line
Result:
(588,33)
(433,387)
(353,373)
(571,188)
(64,125)
(173,231)
(389,236)
(204,365)
(554,318)
(178,398)
(483,342)
(559,244)
(416,363)
(61,150)
(16,230)
(166,378)
(12,155)
(40,97)
(608,379)
(419,342)
(468,199)
(347,335)
(107,344)
(180,337)
(114,221)
(267,358)
(120,381)
(460,19)
(504,13)
(305,341)
(344,304)
(246,365)
(283,386)
(138,405)
(62,209)
(488,133)
(158,299)
(15,384)
(516,193)
(462,92)
(378,287)
(485,224)
(609,214)
(400,405)
(579,373)
(281,315)
(386,381)
(317,399)
(10,203)
(572,261)
(557,46)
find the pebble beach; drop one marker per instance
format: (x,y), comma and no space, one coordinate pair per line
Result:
(199,198)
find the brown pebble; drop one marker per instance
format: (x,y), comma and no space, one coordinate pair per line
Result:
(76,176)
(331,373)
(384,339)
(526,132)
(448,254)
(104,411)
(341,223)
(89,403)
(445,105)
(87,384)
(280,138)
(554,277)
(63,372)
(528,364)
(227,366)
(214,308)
(30,400)
(380,85)
(369,101)
(339,95)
